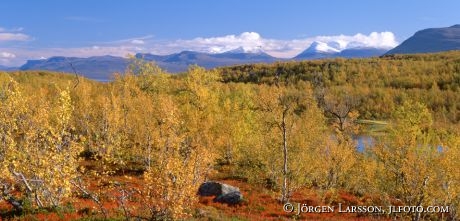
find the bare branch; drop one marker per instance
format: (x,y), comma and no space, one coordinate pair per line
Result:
(76,74)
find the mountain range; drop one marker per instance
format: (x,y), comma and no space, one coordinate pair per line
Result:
(103,67)
(97,67)
(179,62)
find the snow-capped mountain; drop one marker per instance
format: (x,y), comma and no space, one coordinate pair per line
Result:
(321,47)
(319,50)
(242,49)
(252,55)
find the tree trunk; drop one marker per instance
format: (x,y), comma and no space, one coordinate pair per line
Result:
(5,194)
(285,197)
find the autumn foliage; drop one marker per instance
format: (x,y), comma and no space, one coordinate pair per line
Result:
(148,139)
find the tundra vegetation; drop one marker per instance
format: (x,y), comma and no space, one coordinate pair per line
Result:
(139,146)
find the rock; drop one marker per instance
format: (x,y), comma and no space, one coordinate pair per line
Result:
(211,188)
(223,193)
(230,198)
(226,189)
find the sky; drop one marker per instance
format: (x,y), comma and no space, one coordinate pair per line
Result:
(40,29)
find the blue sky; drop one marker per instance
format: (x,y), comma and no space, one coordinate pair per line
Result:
(38,29)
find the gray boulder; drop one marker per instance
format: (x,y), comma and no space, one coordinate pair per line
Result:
(232,198)
(212,188)
(223,193)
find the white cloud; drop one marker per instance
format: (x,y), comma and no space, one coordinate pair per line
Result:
(7,55)
(250,41)
(137,42)
(6,58)
(11,30)
(374,39)
(14,37)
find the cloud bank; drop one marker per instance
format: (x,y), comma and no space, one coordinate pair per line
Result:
(248,41)
(12,35)
(252,41)
(7,37)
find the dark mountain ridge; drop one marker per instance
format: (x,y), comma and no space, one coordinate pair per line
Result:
(430,40)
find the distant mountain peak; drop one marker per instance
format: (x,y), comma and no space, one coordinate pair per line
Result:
(96,67)
(242,50)
(322,47)
(237,50)
(320,50)
(56,59)
(430,40)
(317,50)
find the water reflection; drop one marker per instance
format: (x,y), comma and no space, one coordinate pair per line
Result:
(363,141)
